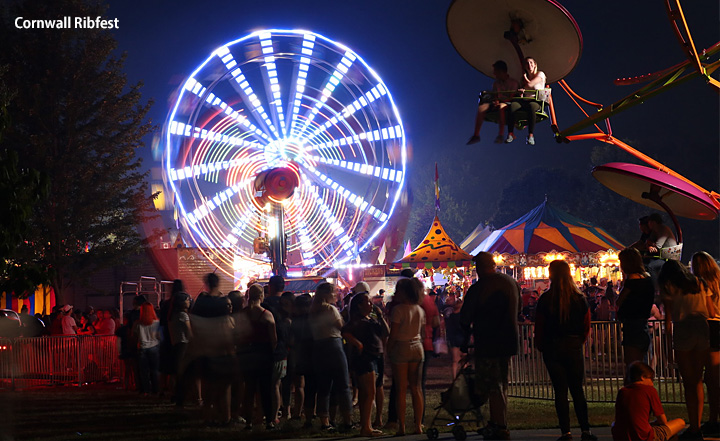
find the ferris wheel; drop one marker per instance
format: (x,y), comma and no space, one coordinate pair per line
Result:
(292,100)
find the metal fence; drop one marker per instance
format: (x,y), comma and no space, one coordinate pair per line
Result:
(47,361)
(604,367)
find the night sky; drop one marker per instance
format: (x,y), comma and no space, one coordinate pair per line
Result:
(406,42)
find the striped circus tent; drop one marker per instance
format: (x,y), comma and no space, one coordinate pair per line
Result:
(436,250)
(42,301)
(545,229)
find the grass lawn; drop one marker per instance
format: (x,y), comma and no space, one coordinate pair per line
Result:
(104,412)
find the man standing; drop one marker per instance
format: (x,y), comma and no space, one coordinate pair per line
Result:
(69,327)
(275,288)
(490,310)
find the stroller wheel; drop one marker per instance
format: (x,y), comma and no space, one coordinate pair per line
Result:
(459,433)
(432,433)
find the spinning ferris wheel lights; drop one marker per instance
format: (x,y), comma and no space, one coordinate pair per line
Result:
(295,100)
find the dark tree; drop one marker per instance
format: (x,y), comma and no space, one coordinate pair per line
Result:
(20,190)
(575,192)
(75,119)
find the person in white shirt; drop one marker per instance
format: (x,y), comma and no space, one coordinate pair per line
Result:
(533,79)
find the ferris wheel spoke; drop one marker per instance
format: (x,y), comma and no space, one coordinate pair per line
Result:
(189,131)
(353,199)
(197,88)
(340,70)
(233,236)
(380,134)
(375,93)
(272,80)
(209,205)
(340,236)
(190,172)
(232,66)
(363,169)
(301,79)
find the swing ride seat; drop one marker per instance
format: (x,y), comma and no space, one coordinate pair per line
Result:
(671,253)
(521,116)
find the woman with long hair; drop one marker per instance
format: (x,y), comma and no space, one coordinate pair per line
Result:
(686,317)
(634,305)
(257,357)
(706,268)
(405,349)
(364,335)
(562,324)
(533,79)
(147,331)
(329,361)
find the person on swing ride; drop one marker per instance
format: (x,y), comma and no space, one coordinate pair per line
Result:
(533,79)
(501,99)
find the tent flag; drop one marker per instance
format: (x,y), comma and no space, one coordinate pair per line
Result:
(408,248)
(381,256)
(437,190)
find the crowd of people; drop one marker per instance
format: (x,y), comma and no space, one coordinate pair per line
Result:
(310,358)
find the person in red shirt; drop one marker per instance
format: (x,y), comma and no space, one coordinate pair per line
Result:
(634,404)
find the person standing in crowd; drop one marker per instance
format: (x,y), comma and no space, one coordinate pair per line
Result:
(706,268)
(686,314)
(562,324)
(405,348)
(257,359)
(214,349)
(275,288)
(490,310)
(147,331)
(432,326)
(67,322)
(634,305)
(287,301)
(105,324)
(364,335)
(455,335)
(329,361)
(180,336)
(302,343)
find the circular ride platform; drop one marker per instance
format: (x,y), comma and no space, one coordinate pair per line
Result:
(543,28)
(637,182)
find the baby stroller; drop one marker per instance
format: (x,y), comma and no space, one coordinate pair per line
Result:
(457,402)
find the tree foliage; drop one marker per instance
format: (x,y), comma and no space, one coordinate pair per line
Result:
(76,120)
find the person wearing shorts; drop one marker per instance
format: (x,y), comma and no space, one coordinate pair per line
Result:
(490,311)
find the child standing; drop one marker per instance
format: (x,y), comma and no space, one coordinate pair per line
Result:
(634,404)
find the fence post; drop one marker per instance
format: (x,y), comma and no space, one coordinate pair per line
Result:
(78,340)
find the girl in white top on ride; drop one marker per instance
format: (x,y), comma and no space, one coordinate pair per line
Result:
(533,79)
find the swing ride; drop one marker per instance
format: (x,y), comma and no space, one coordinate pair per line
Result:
(483,31)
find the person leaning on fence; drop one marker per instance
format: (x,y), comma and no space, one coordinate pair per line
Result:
(685,299)
(634,305)
(635,402)
(562,324)
(706,268)
(490,310)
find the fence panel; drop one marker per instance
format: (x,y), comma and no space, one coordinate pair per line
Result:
(46,361)
(604,366)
